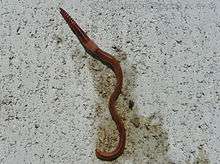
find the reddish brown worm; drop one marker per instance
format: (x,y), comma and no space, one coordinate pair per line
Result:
(92,49)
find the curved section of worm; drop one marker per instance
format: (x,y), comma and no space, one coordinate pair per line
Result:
(110,61)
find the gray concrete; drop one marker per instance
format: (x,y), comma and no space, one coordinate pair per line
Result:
(53,96)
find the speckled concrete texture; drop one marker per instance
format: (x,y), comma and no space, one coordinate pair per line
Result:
(53,96)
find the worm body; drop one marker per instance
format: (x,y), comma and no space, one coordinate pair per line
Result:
(110,61)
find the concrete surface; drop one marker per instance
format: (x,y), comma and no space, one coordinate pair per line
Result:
(53,96)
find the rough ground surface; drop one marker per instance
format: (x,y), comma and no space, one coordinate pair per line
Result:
(53,96)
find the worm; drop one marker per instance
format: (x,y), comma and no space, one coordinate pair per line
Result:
(107,59)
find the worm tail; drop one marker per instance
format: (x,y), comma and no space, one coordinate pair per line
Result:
(81,35)
(109,156)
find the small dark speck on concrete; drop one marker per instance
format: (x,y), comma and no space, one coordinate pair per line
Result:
(11,57)
(59,40)
(18,30)
(116,48)
(36,126)
(179,41)
(63,61)
(131,104)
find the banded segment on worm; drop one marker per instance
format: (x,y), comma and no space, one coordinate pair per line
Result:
(92,49)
